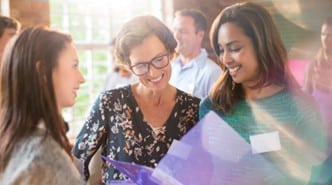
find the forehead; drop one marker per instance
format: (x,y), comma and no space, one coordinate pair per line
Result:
(326,28)
(69,50)
(9,31)
(148,49)
(229,32)
(183,21)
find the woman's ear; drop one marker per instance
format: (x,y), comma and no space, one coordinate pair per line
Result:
(38,69)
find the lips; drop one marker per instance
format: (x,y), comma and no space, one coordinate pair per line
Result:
(233,70)
(75,91)
(155,80)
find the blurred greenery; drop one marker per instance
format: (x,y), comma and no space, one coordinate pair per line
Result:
(78,36)
(100,55)
(56,21)
(56,8)
(82,55)
(100,70)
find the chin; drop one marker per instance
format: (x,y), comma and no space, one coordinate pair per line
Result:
(69,104)
(159,87)
(236,80)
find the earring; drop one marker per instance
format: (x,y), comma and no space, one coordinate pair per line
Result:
(233,85)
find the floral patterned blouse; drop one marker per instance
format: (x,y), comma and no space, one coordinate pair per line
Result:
(117,124)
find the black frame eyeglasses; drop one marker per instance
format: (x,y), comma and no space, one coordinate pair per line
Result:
(157,62)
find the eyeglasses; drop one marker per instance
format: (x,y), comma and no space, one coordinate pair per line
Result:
(158,62)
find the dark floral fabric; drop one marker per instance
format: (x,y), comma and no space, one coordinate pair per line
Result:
(117,125)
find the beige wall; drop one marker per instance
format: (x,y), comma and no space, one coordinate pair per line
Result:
(30,12)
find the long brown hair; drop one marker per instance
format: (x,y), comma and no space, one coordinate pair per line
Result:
(259,26)
(26,89)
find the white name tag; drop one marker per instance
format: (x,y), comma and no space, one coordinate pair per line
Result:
(266,142)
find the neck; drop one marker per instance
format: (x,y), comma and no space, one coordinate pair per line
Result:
(254,94)
(187,58)
(155,98)
(327,55)
(1,53)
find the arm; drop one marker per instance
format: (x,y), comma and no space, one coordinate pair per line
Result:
(92,134)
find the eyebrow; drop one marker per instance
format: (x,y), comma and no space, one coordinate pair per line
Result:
(232,42)
(229,43)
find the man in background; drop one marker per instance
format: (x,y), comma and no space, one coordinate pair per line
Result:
(8,28)
(192,71)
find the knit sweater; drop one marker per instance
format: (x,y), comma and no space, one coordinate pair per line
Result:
(297,120)
(39,160)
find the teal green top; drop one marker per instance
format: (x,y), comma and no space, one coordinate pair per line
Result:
(296,119)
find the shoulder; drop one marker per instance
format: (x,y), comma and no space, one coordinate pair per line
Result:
(176,62)
(125,90)
(184,97)
(206,103)
(205,106)
(115,94)
(209,66)
(39,160)
(304,100)
(298,102)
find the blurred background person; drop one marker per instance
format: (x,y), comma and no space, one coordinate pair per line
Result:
(258,96)
(120,75)
(318,78)
(37,81)
(192,71)
(8,28)
(137,123)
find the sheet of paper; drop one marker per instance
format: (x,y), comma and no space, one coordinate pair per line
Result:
(267,142)
(211,153)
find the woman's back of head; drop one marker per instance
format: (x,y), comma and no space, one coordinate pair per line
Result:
(26,89)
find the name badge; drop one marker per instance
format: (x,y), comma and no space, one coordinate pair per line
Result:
(266,142)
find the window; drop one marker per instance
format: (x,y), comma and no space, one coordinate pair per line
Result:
(92,25)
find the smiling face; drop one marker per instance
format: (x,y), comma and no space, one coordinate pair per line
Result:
(188,39)
(67,77)
(151,48)
(238,55)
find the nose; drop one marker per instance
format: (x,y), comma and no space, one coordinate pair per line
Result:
(153,71)
(81,78)
(225,57)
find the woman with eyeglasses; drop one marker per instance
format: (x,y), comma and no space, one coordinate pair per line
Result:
(139,122)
